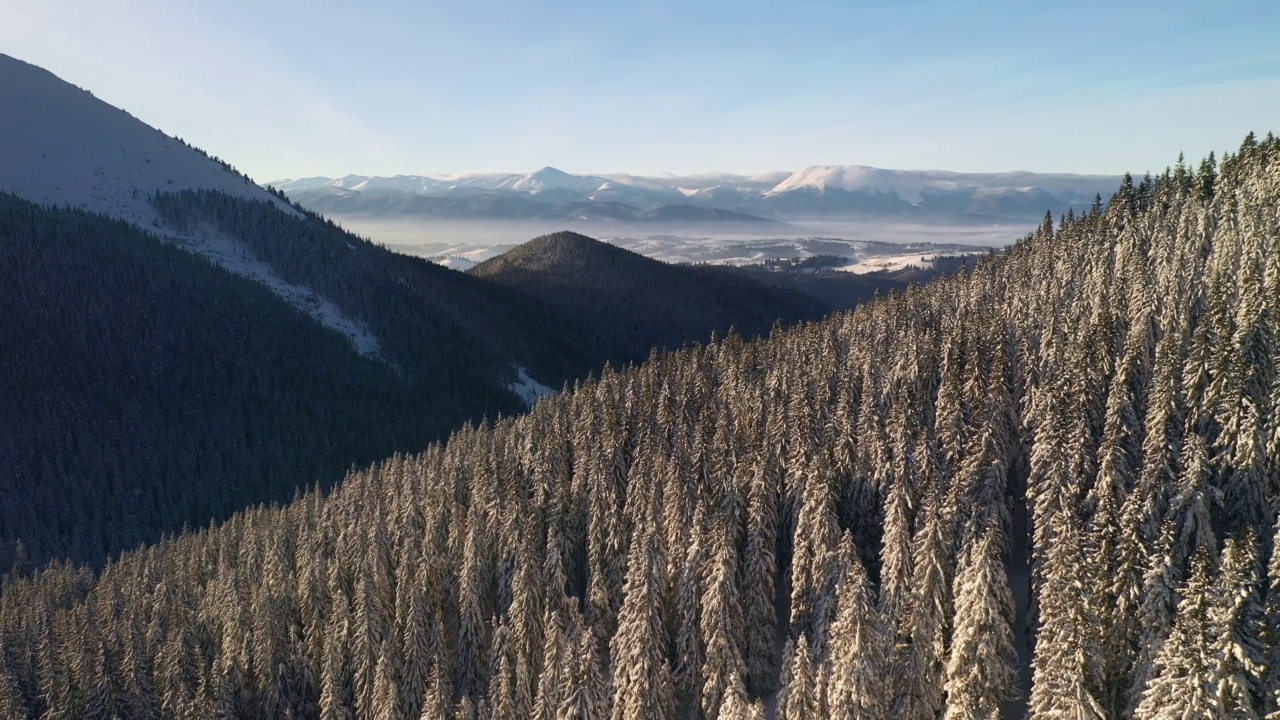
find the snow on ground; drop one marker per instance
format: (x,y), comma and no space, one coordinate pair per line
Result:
(889,263)
(461,257)
(233,257)
(862,255)
(455,243)
(528,389)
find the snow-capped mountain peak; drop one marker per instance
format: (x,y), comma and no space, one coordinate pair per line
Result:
(549,178)
(822,177)
(907,185)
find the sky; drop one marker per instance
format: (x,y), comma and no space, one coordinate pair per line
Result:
(293,88)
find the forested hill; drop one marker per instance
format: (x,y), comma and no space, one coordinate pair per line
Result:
(142,390)
(1061,463)
(630,304)
(146,389)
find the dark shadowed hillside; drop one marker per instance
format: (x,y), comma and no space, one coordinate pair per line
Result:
(840,290)
(629,304)
(145,389)
(423,316)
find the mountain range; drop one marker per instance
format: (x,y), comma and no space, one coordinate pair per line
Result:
(840,191)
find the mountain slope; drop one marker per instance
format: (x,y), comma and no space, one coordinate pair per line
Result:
(147,390)
(62,146)
(144,374)
(630,304)
(1047,484)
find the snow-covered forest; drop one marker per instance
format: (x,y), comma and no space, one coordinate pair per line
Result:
(1046,486)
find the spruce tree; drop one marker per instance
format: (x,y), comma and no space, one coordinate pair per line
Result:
(1270,690)
(1237,621)
(721,620)
(1184,683)
(980,671)
(859,645)
(642,683)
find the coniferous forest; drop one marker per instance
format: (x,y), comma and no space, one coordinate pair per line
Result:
(1048,485)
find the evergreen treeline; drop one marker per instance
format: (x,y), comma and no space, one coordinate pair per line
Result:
(1061,463)
(629,304)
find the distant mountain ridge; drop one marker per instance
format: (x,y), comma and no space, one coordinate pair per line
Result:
(471,203)
(823,190)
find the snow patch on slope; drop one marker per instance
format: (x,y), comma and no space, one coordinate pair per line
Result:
(235,258)
(459,257)
(528,389)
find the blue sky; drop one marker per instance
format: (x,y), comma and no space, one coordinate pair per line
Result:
(293,88)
